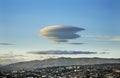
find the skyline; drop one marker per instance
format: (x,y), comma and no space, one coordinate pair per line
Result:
(22,20)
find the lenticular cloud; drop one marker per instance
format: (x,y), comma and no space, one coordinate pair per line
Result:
(60,33)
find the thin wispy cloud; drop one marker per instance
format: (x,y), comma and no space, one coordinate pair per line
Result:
(60,33)
(110,38)
(10,55)
(10,58)
(6,44)
(104,53)
(58,52)
(115,38)
(76,43)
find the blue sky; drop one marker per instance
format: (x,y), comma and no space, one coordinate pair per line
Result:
(21,20)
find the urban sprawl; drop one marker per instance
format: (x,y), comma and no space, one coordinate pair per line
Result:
(73,71)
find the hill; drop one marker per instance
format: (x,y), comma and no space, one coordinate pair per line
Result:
(57,62)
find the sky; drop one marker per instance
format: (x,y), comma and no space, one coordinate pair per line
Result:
(22,24)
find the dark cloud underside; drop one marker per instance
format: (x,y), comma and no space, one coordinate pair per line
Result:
(61,52)
(76,43)
(6,44)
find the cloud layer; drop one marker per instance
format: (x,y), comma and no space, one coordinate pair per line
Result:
(60,33)
(76,43)
(10,58)
(6,44)
(110,38)
(57,52)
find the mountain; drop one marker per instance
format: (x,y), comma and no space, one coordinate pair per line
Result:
(57,62)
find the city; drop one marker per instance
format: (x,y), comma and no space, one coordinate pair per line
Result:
(73,71)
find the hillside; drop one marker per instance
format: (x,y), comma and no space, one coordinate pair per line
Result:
(57,62)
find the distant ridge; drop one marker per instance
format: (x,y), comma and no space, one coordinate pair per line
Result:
(58,62)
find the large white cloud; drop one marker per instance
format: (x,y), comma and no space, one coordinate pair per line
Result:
(60,33)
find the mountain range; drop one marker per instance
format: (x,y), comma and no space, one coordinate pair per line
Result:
(29,65)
